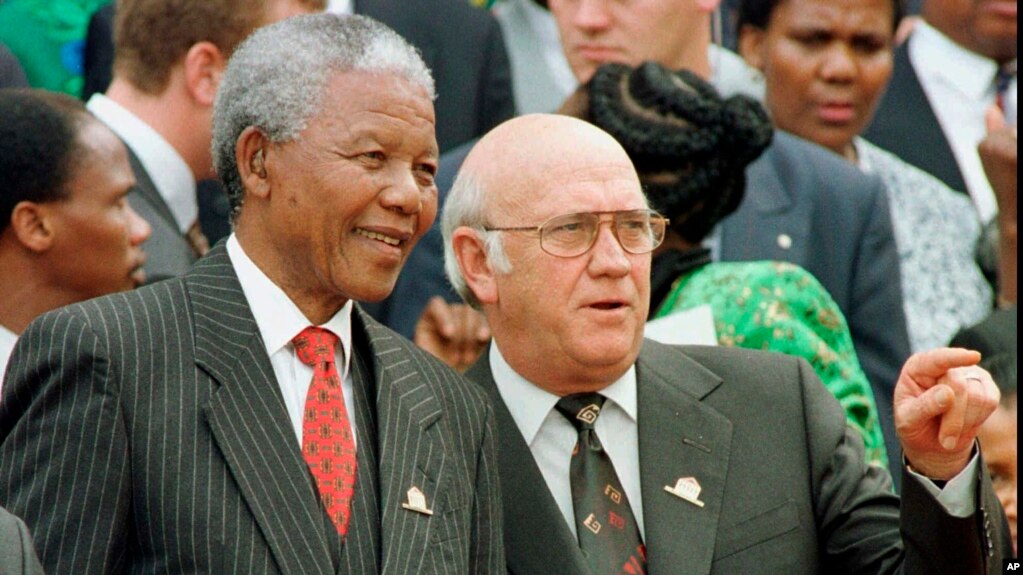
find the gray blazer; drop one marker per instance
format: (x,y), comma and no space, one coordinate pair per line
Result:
(17,557)
(784,484)
(168,253)
(145,432)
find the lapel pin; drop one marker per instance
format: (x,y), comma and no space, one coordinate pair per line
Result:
(687,488)
(417,502)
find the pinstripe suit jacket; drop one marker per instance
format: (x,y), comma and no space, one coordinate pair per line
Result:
(145,432)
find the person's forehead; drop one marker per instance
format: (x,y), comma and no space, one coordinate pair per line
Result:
(545,194)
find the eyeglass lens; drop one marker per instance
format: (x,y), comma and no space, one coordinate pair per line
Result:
(638,232)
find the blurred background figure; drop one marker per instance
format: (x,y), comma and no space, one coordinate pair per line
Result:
(825,67)
(11,74)
(17,556)
(998,438)
(959,60)
(168,60)
(691,148)
(47,37)
(68,233)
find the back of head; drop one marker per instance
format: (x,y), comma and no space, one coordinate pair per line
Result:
(277,78)
(151,36)
(39,146)
(689,145)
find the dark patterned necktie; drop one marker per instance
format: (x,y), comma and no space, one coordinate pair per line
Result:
(1003,78)
(607,530)
(327,442)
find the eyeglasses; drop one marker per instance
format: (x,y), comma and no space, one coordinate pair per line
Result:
(571,235)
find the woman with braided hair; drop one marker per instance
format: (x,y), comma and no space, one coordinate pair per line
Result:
(691,148)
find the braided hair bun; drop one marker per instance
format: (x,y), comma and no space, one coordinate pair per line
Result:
(690,146)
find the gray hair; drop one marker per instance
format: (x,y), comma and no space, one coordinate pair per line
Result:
(466,205)
(278,77)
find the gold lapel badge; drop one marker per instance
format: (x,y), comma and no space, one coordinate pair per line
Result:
(687,488)
(417,502)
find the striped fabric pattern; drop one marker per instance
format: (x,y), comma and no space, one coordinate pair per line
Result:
(144,432)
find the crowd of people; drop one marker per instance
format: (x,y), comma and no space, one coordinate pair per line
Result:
(325,286)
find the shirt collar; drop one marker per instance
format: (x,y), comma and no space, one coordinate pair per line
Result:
(278,318)
(939,57)
(529,404)
(164,165)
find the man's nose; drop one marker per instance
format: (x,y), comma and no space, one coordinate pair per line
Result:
(404,195)
(607,256)
(139,229)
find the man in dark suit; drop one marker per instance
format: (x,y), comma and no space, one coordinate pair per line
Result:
(17,557)
(802,204)
(959,60)
(246,417)
(167,63)
(618,454)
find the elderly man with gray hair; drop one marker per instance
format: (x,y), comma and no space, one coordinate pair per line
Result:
(248,417)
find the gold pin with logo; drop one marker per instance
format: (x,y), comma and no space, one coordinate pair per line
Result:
(687,488)
(416,502)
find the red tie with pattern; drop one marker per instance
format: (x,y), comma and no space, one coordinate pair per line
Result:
(327,442)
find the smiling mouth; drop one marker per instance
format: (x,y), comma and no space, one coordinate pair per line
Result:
(379,237)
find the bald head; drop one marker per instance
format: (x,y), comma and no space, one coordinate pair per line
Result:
(581,312)
(515,164)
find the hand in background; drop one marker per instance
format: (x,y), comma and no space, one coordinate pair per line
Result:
(941,399)
(454,333)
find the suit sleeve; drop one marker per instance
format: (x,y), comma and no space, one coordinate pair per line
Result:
(64,461)
(487,545)
(861,523)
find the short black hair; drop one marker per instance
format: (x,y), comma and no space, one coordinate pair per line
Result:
(757,13)
(39,146)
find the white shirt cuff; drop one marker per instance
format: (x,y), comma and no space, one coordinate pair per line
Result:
(958,495)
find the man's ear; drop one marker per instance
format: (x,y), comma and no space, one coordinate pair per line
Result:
(472,259)
(250,155)
(33,225)
(751,40)
(204,64)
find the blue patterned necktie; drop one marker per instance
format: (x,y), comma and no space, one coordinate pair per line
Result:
(607,530)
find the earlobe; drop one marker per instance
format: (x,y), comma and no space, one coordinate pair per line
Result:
(33,225)
(250,155)
(472,259)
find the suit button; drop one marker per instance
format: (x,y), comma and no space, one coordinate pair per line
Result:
(784,241)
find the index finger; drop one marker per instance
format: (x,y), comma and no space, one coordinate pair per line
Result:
(934,363)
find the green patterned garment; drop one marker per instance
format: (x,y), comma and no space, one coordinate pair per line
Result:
(777,306)
(48,37)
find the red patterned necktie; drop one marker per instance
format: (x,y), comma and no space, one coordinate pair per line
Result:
(327,442)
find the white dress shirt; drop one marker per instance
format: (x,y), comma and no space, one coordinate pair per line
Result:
(960,87)
(279,320)
(340,6)
(7,340)
(169,172)
(551,437)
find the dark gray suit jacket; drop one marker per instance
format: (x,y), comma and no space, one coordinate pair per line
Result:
(146,432)
(168,253)
(838,226)
(783,481)
(17,557)
(905,124)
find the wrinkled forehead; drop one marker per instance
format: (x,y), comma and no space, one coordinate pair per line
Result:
(552,188)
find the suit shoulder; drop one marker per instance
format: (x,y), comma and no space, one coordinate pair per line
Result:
(827,169)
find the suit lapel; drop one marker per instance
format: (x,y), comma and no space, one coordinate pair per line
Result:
(537,540)
(146,189)
(766,225)
(411,448)
(249,422)
(679,437)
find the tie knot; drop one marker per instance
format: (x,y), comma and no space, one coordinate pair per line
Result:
(581,409)
(315,345)
(1004,75)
